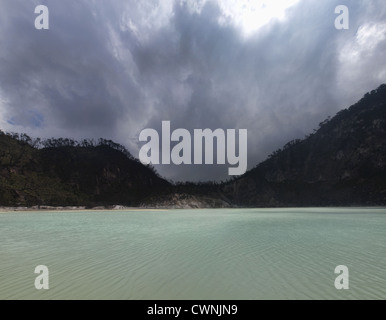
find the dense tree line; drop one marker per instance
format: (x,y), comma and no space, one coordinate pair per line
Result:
(39,143)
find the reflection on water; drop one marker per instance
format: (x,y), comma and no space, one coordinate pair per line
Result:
(194,254)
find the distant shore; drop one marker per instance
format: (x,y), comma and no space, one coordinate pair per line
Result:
(171,201)
(156,208)
(72,208)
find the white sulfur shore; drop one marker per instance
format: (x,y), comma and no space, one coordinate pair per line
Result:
(68,208)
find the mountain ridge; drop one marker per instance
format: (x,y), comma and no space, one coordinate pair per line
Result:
(66,175)
(340,164)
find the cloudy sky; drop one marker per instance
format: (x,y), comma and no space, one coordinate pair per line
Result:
(112,68)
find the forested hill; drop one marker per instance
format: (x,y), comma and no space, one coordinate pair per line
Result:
(342,163)
(63,172)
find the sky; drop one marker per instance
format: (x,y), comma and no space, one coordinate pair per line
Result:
(113,68)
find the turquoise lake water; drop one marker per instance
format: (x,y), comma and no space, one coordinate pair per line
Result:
(194,254)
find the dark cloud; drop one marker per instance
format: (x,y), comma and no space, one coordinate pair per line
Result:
(111,69)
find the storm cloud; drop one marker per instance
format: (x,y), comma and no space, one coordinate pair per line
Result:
(111,69)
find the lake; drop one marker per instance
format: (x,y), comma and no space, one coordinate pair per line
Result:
(194,254)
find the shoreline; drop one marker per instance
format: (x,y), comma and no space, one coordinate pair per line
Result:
(4,209)
(73,208)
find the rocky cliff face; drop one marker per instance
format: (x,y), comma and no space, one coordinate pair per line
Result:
(185,201)
(343,163)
